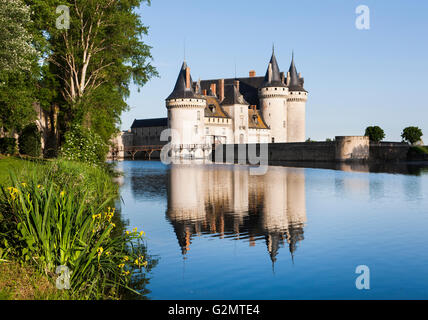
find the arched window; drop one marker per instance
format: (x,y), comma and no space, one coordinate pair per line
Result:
(199,115)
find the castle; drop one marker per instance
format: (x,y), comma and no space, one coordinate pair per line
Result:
(269,109)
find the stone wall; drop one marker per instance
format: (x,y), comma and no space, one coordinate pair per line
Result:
(343,149)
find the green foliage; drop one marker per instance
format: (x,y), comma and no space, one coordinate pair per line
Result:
(16,100)
(16,51)
(412,134)
(82,144)
(30,141)
(59,213)
(7,145)
(419,149)
(93,76)
(375,133)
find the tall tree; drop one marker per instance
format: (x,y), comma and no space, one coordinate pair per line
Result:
(17,66)
(96,59)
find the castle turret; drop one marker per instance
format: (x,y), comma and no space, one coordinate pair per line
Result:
(236,106)
(296,105)
(273,101)
(186,117)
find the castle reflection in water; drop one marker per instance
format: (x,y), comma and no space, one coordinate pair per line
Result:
(226,201)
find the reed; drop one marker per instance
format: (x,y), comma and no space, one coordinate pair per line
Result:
(61,214)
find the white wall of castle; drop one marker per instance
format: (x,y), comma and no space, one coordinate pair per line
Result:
(296,116)
(273,101)
(239,114)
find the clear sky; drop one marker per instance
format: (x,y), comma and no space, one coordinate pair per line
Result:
(355,78)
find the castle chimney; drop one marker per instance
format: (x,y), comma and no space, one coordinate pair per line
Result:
(282,77)
(213,87)
(221,89)
(270,72)
(236,83)
(253,107)
(288,78)
(187,78)
(205,92)
(252,73)
(300,75)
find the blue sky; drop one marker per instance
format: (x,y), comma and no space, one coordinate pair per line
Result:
(355,78)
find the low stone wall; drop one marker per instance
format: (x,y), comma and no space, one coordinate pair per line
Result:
(388,151)
(343,149)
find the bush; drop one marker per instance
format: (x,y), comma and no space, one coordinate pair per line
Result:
(30,141)
(7,145)
(375,133)
(54,216)
(83,145)
(411,134)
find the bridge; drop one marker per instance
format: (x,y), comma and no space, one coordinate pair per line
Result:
(148,149)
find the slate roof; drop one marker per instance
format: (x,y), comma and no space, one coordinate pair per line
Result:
(232,96)
(180,91)
(296,83)
(275,78)
(155,122)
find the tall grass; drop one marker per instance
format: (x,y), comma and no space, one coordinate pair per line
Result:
(60,214)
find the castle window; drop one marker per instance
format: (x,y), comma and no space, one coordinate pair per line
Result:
(199,115)
(196,129)
(207,130)
(283,124)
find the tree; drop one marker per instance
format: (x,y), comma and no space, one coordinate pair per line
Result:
(375,133)
(18,64)
(30,141)
(411,134)
(96,59)
(16,51)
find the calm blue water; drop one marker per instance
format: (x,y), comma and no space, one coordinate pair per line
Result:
(293,233)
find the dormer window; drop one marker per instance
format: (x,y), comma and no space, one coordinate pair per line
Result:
(212,108)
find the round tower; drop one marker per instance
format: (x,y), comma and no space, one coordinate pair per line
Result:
(296,111)
(186,117)
(273,102)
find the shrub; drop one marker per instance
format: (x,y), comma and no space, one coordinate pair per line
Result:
(29,141)
(81,144)
(375,133)
(411,134)
(7,145)
(55,216)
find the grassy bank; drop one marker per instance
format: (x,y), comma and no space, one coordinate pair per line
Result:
(61,213)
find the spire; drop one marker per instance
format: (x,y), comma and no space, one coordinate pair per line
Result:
(183,86)
(273,75)
(296,83)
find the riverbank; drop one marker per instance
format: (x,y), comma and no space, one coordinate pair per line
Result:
(61,213)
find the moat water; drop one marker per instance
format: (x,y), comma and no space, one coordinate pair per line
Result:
(293,233)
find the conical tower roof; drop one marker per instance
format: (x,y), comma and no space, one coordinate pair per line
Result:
(295,82)
(273,75)
(232,96)
(180,90)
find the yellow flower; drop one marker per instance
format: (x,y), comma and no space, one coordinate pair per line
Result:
(125,258)
(126,273)
(113,225)
(135,229)
(127,232)
(62,194)
(100,250)
(142,233)
(39,186)
(24,184)
(121,265)
(108,253)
